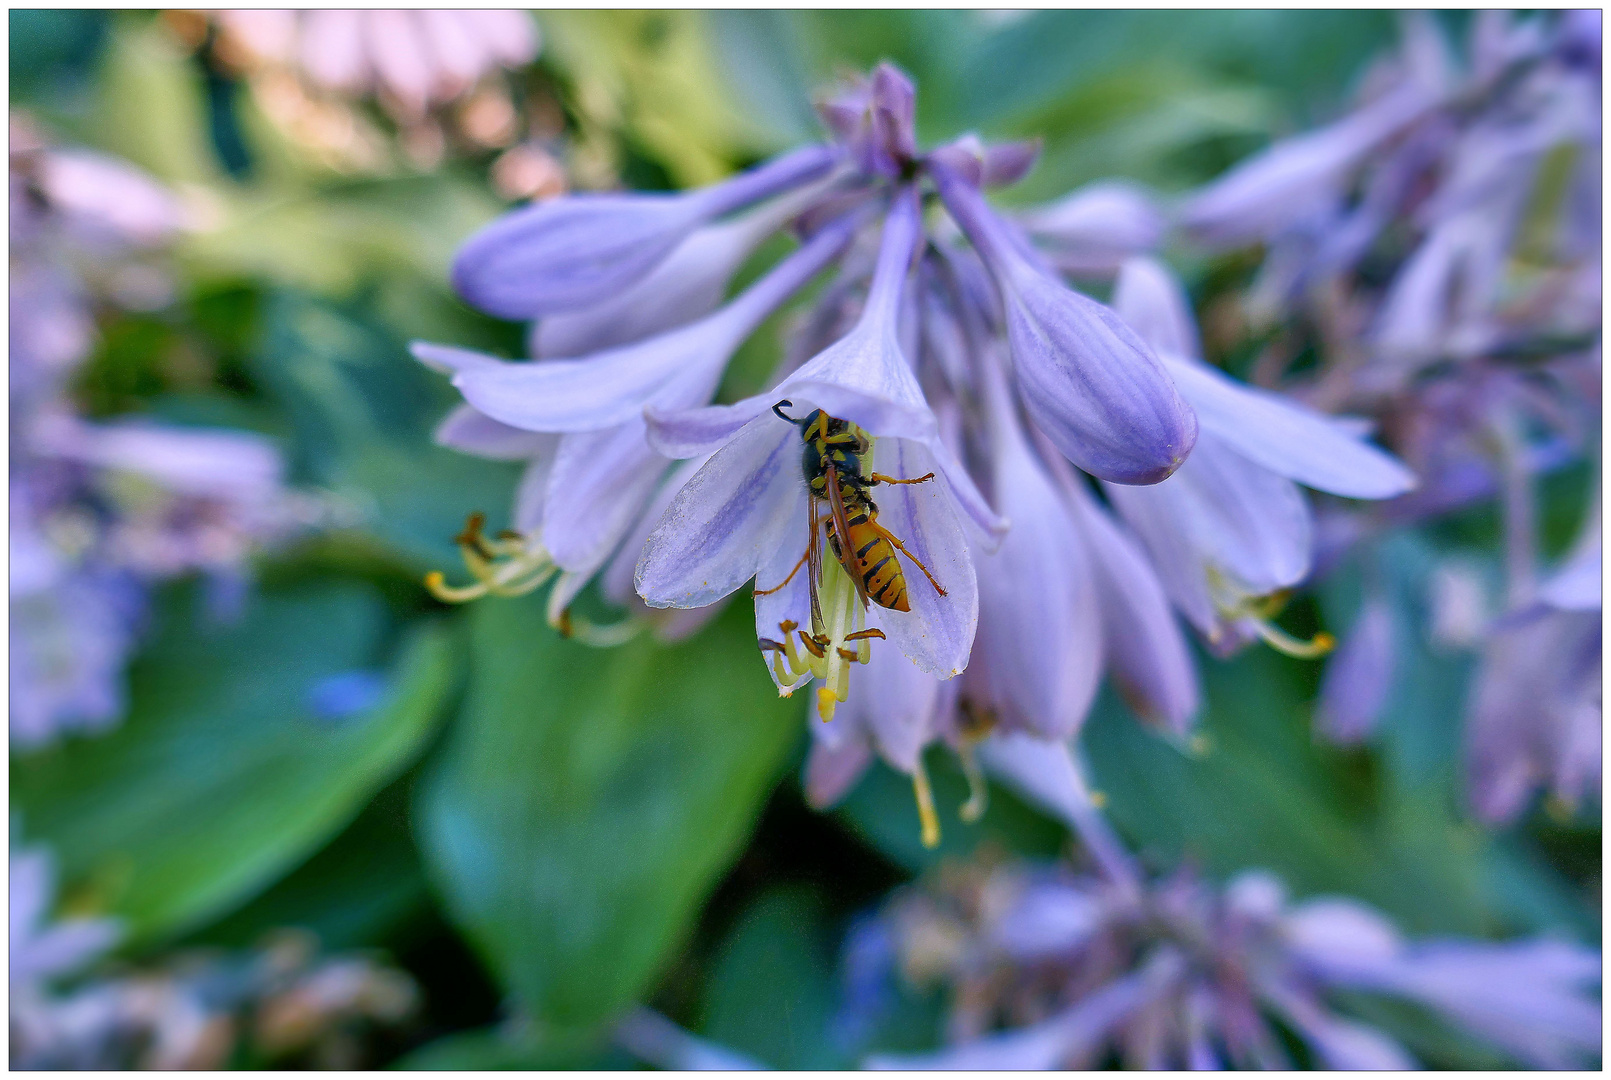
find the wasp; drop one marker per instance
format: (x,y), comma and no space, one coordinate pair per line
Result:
(834,462)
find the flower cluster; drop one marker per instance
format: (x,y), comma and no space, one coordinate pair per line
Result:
(1049,968)
(199,1011)
(1441,245)
(915,492)
(99,510)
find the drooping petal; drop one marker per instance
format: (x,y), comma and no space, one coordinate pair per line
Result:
(894,705)
(1039,622)
(1146,652)
(573,252)
(677,368)
(1095,228)
(1089,382)
(1294,178)
(832,770)
(1287,438)
(688,285)
(599,484)
(1354,689)
(688,433)
(471,431)
(937,633)
(728,520)
(1151,299)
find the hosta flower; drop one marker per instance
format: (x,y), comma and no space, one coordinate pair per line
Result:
(43,950)
(1535,716)
(749,512)
(1231,527)
(1052,969)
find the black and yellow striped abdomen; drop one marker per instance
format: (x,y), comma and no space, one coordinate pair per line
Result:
(872,557)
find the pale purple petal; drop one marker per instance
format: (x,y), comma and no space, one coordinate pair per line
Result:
(1287,438)
(1095,228)
(1354,689)
(580,250)
(677,369)
(531,494)
(333,48)
(397,49)
(1146,652)
(1039,623)
(1152,300)
(937,633)
(688,285)
(832,771)
(1089,382)
(689,433)
(510,34)
(471,431)
(728,521)
(208,463)
(894,703)
(599,484)
(104,193)
(1295,178)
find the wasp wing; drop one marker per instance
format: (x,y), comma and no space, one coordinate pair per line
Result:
(841,528)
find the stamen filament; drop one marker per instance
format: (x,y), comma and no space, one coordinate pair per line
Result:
(925,806)
(1278,639)
(978,790)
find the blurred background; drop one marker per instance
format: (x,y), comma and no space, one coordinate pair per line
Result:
(340,824)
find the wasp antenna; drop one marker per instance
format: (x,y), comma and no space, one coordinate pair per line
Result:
(781,415)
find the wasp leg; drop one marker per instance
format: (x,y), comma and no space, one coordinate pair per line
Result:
(880,478)
(785,581)
(893,539)
(781,415)
(873,632)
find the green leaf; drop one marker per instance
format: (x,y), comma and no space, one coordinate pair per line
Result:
(223,776)
(506,1048)
(589,800)
(363,410)
(772,988)
(358,890)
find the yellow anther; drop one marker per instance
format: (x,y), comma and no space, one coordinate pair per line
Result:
(826,703)
(1099,799)
(925,807)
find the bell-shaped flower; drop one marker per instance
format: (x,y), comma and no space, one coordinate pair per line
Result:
(747,513)
(580,250)
(874,120)
(1089,382)
(1040,629)
(1232,526)
(601,472)
(687,285)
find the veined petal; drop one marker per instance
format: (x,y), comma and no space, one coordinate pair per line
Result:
(1089,382)
(680,367)
(895,704)
(580,250)
(471,431)
(616,581)
(688,285)
(937,633)
(728,520)
(688,433)
(1146,651)
(1286,438)
(599,484)
(531,494)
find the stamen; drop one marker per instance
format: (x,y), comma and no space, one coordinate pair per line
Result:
(508,566)
(978,791)
(925,806)
(1278,639)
